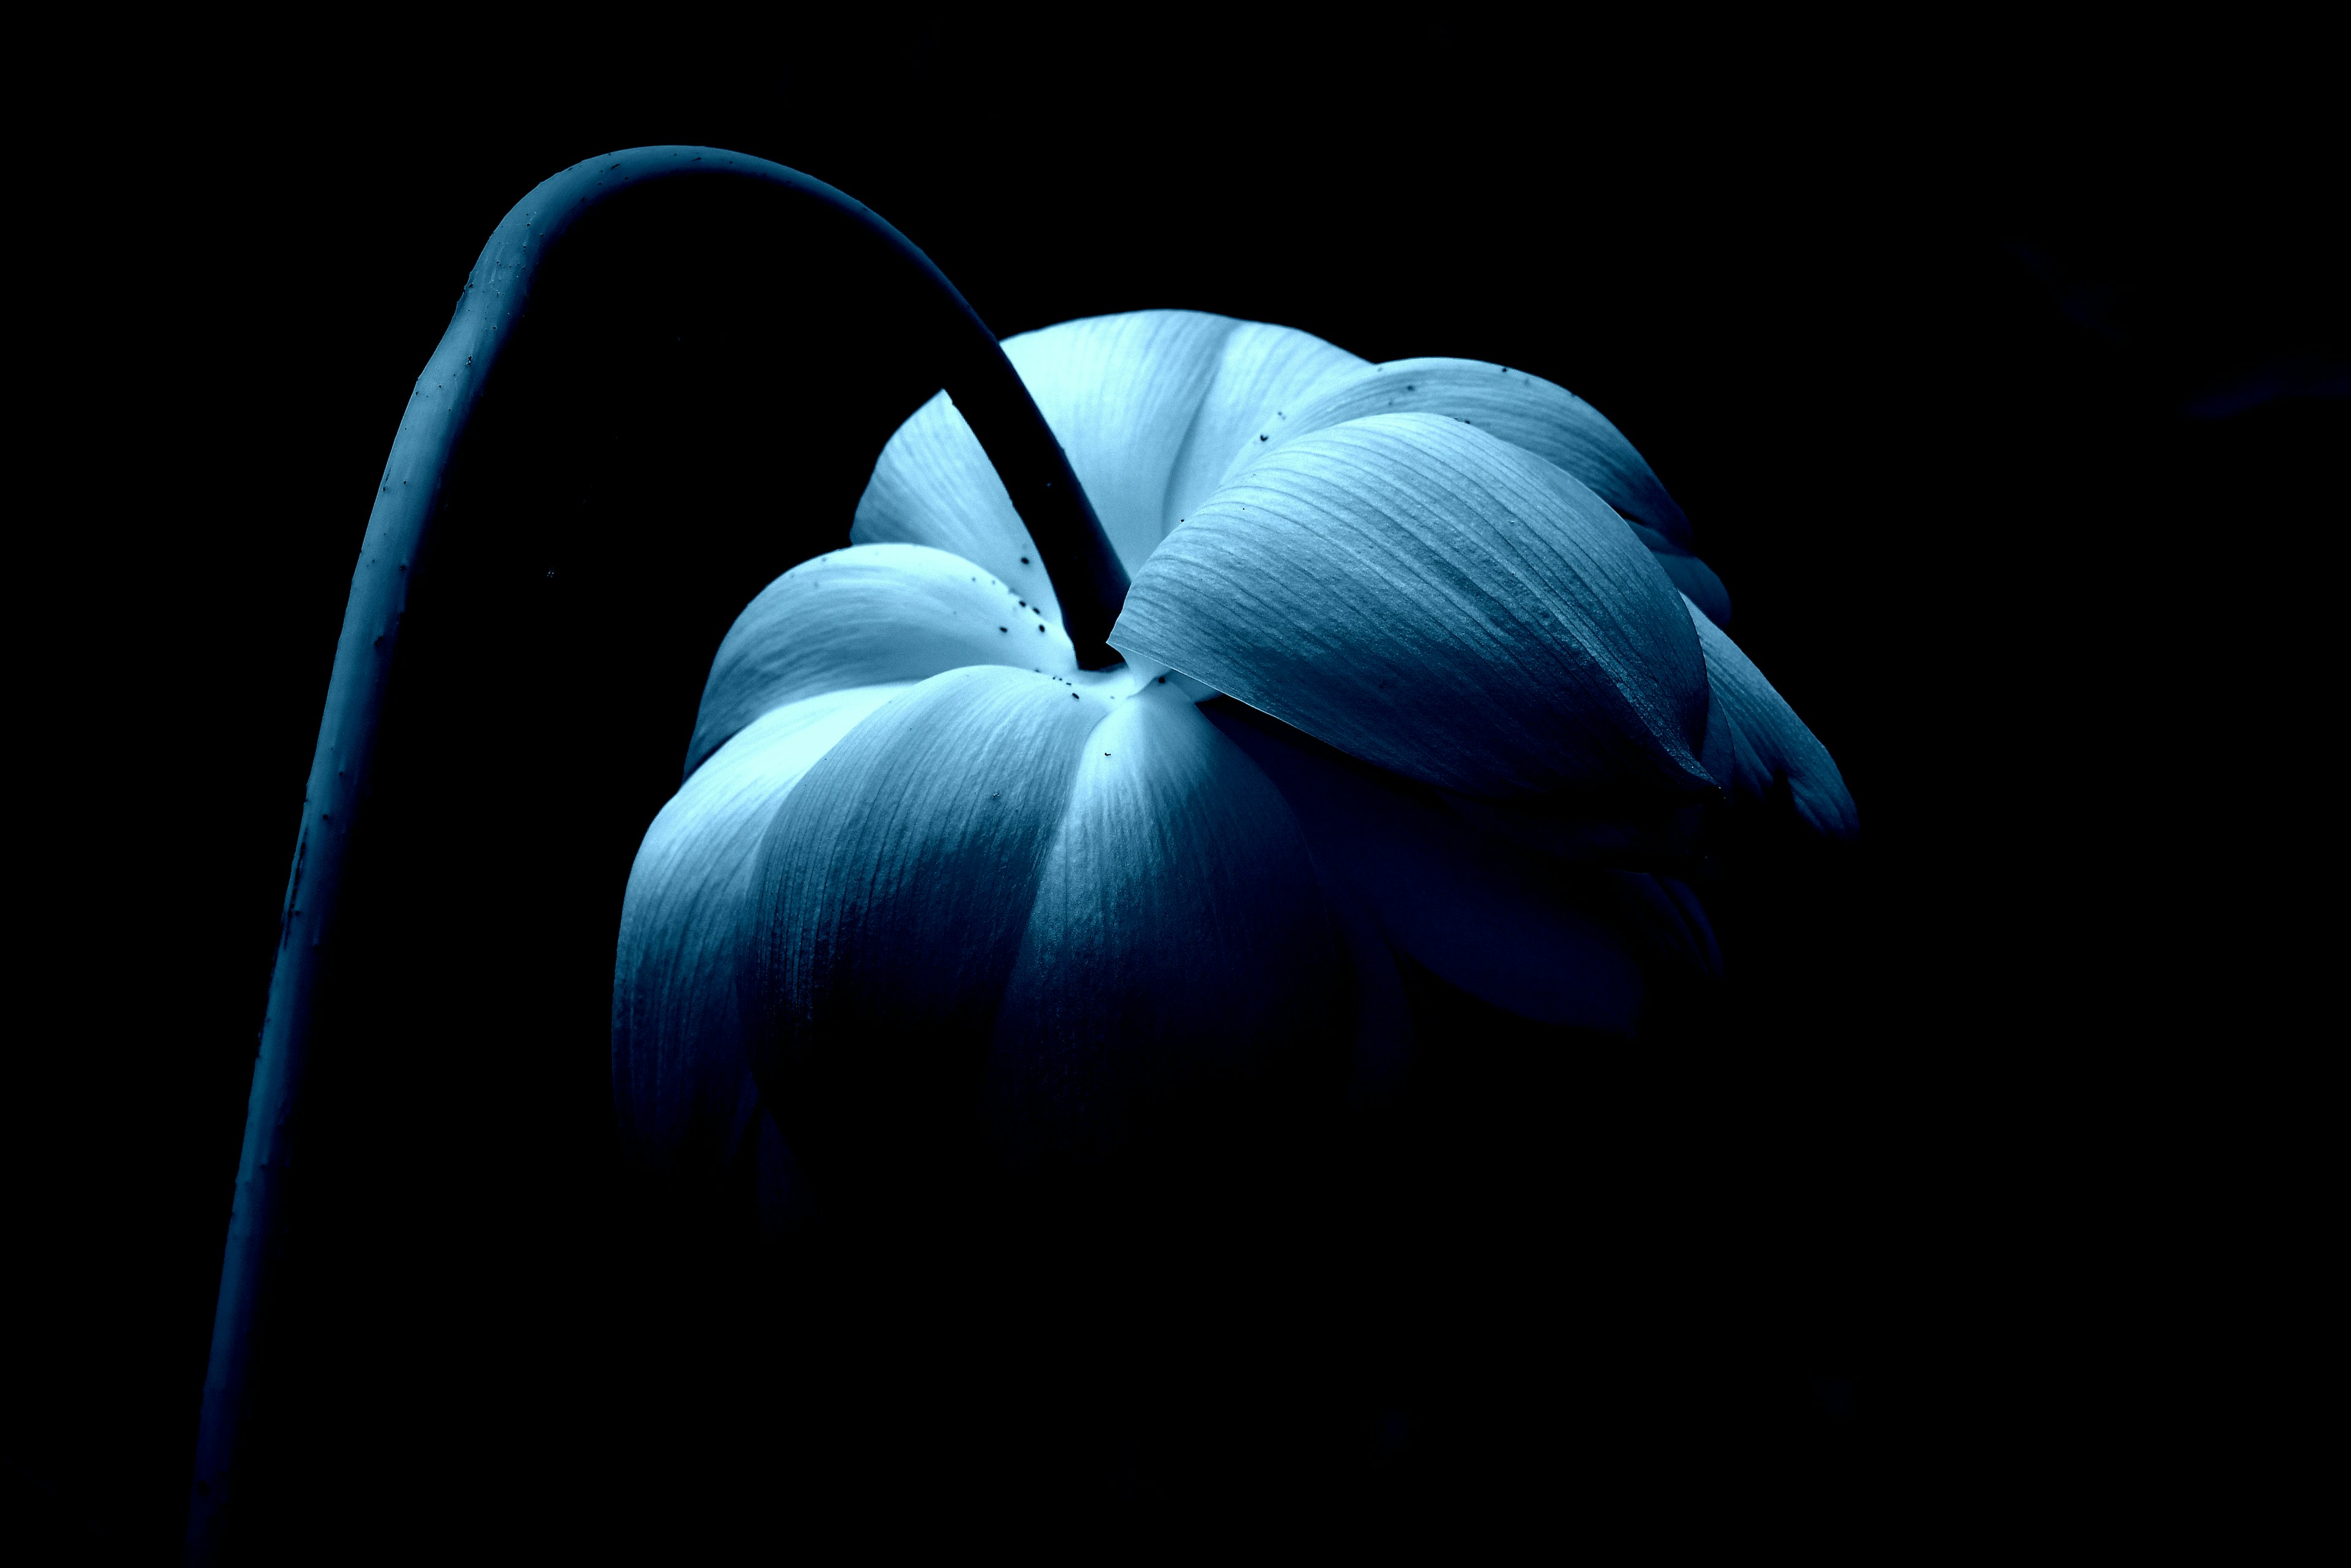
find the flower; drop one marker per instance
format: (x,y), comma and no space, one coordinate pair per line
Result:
(1420,667)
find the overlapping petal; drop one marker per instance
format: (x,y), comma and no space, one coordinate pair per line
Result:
(1754,741)
(1557,944)
(680,1082)
(1435,601)
(1526,411)
(863,616)
(819,649)
(1529,413)
(1051,900)
(1151,407)
(1177,945)
(1097,883)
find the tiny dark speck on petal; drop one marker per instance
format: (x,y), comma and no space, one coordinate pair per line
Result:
(1105,754)
(1162,680)
(1004,628)
(1024,560)
(1074,697)
(1260,438)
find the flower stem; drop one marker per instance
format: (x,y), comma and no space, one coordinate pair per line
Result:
(1087,578)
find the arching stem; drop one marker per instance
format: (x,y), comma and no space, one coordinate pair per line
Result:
(1087,578)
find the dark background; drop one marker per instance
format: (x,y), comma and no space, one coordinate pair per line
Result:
(1998,395)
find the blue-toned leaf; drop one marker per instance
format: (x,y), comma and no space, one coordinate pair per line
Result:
(1151,407)
(864,616)
(1434,601)
(1753,738)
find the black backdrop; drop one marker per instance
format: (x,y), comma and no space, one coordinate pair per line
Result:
(1944,381)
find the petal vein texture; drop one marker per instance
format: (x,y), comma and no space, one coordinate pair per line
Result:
(1436,601)
(1103,886)
(680,1078)
(1151,407)
(865,616)
(1528,412)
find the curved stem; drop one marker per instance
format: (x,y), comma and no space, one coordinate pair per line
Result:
(1087,578)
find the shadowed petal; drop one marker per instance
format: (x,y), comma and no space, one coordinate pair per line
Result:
(1753,738)
(1481,914)
(1177,947)
(893,892)
(681,1084)
(1095,882)
(1434,601)
(1693,576)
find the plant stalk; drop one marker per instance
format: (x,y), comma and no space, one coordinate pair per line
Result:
(1087,578)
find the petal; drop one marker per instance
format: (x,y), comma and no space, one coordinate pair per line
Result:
(1531,413)
(1431,600)
(865,616)
(1177,949)
(1483,915)
(1120,392)
(1755,739)
(934,485)
(1526,411)
(1693,576)
(1006,904)
(1151,407)
(1667,921)
(681,1084)
(892,893)
(1262,368)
